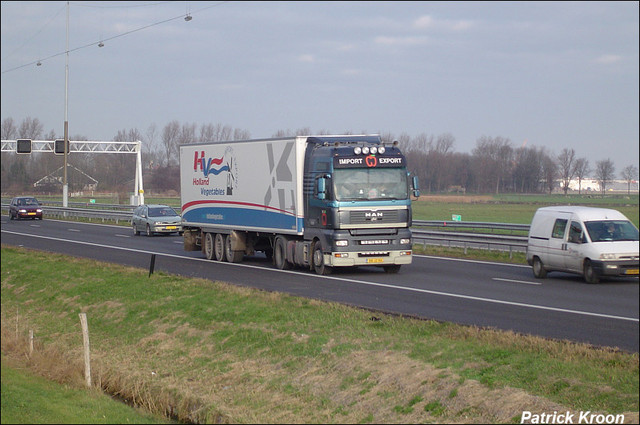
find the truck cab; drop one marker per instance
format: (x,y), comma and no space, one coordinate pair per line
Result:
(357,197)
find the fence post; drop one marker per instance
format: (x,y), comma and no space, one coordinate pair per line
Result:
(30,342)
(87,355)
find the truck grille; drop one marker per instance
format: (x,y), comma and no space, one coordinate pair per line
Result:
(370,217)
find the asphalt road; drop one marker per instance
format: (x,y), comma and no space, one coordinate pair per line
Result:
(476,293)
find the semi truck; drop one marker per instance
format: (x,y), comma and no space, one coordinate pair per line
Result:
(315,202)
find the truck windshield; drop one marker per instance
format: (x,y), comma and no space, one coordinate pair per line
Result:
(352,184)
(611,230)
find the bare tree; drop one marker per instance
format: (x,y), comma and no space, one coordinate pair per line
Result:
(550,172)
(527,170)
(581,169)
(239,134)
(492,159)
(9,130)
(170,139)
(187,134)
(630,174)
(30,128)
(604,173)
(566,168)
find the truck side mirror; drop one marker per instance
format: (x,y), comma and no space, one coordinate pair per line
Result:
(322,188)
(416,189)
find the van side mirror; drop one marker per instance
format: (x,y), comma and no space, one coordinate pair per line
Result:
(322,188)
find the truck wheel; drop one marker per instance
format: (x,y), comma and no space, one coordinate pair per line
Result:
(208,246)
(538,268)
(590,274)
(318,261)
(232,256)
(392,269)
(218,247)
(280,254)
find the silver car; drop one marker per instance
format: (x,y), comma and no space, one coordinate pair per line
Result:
(156,219)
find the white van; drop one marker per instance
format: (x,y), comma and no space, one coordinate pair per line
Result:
(593,242)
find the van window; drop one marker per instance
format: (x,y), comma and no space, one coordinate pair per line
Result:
(558,228)
(611,230)
(575,233)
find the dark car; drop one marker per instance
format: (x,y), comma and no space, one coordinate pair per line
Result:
(25,207)
(155,219)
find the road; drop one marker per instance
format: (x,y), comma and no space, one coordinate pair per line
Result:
(467,292)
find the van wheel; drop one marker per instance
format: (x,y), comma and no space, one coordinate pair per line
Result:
(538,268)
(590,275)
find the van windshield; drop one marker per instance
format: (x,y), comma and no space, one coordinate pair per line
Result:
(611,230)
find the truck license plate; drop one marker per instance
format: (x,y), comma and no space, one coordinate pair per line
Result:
(374,260)
(631,271)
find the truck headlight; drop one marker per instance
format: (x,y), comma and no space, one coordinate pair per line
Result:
(405,241)
(342,243)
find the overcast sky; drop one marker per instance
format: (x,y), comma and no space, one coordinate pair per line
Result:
(549,74)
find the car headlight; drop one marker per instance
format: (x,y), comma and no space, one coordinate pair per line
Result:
(607,256)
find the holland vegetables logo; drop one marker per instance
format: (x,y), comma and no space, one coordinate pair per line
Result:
(216,166)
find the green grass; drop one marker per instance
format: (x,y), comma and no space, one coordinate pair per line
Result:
(514,209)
(31,399)
(215,352)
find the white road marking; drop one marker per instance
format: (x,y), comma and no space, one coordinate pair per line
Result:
(516,281)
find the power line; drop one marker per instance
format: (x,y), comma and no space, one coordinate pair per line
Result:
(186,17)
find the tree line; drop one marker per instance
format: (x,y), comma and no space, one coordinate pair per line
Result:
(493,166)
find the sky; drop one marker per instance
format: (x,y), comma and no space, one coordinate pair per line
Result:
(545,74)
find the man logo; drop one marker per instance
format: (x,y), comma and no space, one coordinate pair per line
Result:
(372,161)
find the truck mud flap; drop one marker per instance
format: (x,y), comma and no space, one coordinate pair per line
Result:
(190,241)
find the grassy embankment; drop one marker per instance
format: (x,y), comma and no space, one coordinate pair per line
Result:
(209,352)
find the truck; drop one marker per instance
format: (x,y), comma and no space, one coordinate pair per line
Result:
(313,202)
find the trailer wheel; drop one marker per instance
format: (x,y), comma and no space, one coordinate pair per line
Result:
(208,246)
(318,260)
(280,254)
(232,256)
(218,247)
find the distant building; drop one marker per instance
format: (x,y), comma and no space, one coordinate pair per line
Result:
(593,185)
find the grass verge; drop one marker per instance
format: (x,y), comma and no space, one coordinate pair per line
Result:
(206,351)
(31,399)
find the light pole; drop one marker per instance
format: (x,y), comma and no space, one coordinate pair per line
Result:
(65,186)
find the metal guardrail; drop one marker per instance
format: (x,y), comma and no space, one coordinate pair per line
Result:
(511,243)
(105,215)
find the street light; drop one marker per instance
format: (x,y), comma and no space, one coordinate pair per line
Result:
(65,186)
